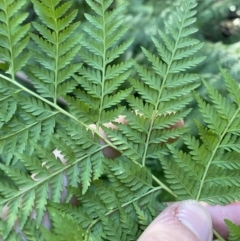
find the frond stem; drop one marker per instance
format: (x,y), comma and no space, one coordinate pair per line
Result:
(103,69)
(56,59)
(164,187)
(219,237)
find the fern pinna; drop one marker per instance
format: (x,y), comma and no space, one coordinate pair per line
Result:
(164,91)
(74,73)
(210,170)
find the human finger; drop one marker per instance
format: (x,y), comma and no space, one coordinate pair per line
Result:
(182,221)
(219,213)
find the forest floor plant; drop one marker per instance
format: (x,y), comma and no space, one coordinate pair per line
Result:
(77,79)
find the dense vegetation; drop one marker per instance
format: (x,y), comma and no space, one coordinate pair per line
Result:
(66,65)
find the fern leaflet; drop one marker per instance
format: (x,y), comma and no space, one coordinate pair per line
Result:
(210,172)
(165,93)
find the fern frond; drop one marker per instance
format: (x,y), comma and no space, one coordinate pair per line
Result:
(14,35)
(91,166)
(110,201)
(210,172)
(232,85)
(14,236)
(234,230)
(36,120)
(9,107)
(59,46)
(132,150)
(119,232)
(71,231)
(32,233)
(51,76)
(80,109)
(13,43)
(146,216)
(137,179)
(169,89)
(44,182)
(100,79)
(117,199)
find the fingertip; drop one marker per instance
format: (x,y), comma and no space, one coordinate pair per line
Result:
(182,221)
(219,213)
(180,123)
(196,218)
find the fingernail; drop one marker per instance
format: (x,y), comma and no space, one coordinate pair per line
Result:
(195,217)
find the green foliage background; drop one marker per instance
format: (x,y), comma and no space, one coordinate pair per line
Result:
(112,194)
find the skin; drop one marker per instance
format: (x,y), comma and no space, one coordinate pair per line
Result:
(191,221)
(182,221)
(218,213)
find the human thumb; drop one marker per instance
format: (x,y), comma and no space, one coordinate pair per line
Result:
(182,221)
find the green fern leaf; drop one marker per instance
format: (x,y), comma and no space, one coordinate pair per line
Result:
(13,35)
(13,236)
(145,216)
(234,231)
(232,86)
(136,178)
(131,150)
(210,171)
(91,165)
(34,189)
(117,199)
(59,47)
(169,89)
(137,104)
(111,206)
(111,114)
(113,100)
(101,46)
(80,109)
(62,230)
(36,120)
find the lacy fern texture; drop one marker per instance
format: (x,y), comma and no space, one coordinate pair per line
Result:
(68,87)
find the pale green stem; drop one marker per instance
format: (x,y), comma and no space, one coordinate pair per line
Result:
(219,237)
(56,59)
(103,70)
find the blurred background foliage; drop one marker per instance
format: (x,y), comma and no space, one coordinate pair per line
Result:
(218,22)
